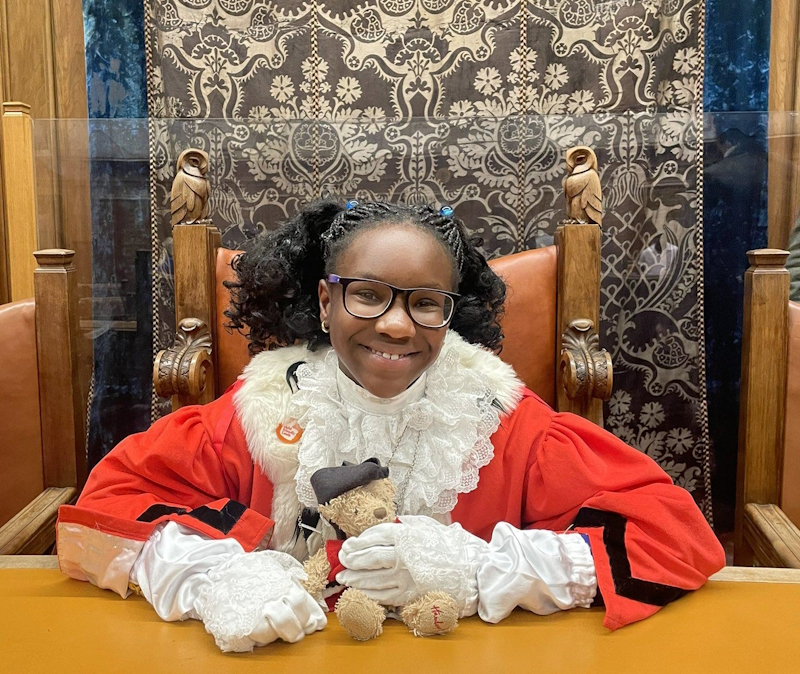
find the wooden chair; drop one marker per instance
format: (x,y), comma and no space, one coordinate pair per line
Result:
(768,470)
(42,452)
(551,314)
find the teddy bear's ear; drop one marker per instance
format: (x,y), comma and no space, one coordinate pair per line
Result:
(328,512)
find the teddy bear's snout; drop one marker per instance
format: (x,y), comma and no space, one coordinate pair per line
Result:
(379,513)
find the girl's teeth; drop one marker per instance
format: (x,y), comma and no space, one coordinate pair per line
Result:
(388,356)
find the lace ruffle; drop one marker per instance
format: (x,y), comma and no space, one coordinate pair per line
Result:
(232,605)
(443,439)
(442,559)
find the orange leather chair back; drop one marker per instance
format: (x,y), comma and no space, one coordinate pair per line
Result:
(232,354)
(790,495)
(529,323)
(21,469)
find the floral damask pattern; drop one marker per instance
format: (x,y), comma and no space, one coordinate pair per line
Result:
(470,103)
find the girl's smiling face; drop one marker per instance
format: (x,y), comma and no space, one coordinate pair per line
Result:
(401,255)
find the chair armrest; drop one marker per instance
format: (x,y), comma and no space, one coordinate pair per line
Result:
(32,531)
(774,539)
(185,369)
(585,369)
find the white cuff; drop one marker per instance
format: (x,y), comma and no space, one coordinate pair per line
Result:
(537,570)
(173,567)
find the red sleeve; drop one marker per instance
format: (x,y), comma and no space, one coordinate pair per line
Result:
(649,540)
(189,467)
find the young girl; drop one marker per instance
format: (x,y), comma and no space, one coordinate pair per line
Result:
(375,327)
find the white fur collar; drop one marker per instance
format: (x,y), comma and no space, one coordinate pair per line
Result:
(264,401)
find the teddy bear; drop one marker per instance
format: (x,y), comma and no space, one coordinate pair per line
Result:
(353,498)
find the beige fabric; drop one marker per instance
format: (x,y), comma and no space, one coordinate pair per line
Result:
(21,476)
(790,499)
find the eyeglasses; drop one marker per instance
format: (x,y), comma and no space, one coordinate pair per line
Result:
(365,298)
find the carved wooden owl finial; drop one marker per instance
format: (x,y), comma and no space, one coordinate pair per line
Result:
(190,190)
(582,186)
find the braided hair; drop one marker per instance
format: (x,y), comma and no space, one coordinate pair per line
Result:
(274,299)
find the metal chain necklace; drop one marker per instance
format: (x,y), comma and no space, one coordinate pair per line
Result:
(401,488)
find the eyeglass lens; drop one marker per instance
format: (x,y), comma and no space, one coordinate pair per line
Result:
(368,299)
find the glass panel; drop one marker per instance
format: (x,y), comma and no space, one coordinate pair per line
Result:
(503,177)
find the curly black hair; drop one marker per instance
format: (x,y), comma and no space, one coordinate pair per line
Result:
(274,299)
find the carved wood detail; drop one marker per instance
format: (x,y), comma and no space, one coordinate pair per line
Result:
(186,367)
(586,370)
(582,189)
(190,189)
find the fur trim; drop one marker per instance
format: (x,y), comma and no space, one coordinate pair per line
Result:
(262,403)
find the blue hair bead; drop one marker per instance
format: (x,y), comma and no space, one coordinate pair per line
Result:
(446,211)
(350,205)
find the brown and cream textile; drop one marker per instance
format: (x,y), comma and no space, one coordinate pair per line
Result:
(471,103)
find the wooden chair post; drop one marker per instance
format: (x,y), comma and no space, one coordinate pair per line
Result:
(19,192)
(186,371)
(585,376)
(62,407)
(762,404)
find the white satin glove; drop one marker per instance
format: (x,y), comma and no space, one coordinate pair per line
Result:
(244,599)
(393,563)
(254,599)
(538,570)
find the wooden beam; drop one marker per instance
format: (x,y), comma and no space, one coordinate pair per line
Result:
(28,562)
(578,298)
(32,531)
(784,128)
(5,281)
(62,407)
(762,402)
(19,192)
(744,574)
(195,251)
(71,161)
(771,535)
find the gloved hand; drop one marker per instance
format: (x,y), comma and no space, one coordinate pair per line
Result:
(393,563)
(256,598)
(540,571)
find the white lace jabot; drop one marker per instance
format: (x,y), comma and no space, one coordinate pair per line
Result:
(435,436)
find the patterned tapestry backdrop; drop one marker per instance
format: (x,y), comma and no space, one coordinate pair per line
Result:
(471,103)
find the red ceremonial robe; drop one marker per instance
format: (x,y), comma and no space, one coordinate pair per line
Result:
(649,541)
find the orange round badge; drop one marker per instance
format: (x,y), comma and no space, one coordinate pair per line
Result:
(289,433)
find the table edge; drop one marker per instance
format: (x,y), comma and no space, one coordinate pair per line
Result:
(735,574)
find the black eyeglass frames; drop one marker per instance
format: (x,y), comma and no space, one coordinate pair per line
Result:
(367,298)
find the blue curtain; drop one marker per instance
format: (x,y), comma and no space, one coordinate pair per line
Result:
(735,211)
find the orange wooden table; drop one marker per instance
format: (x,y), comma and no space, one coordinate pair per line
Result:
(49,623)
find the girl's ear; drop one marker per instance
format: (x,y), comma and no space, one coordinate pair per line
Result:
(324,292)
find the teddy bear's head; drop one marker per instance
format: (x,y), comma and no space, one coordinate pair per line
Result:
(355,497)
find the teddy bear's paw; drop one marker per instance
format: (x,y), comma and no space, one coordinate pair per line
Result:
(361,617)
(431,614)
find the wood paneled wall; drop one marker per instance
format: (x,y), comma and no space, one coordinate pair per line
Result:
(42,61)
(43,65)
